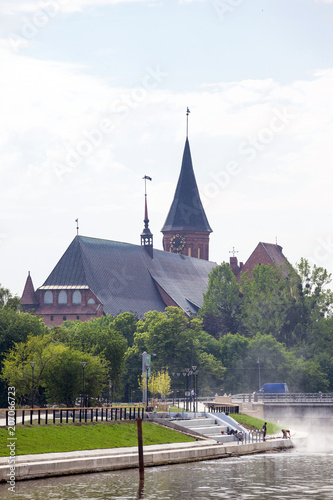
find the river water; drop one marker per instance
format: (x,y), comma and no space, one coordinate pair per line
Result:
(286,475)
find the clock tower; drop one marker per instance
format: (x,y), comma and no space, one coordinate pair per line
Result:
(186,229)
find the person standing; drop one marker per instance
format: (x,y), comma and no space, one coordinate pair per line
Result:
(264,430)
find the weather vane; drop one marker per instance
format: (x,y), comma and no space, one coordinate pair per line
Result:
(187,113)
(146,177)
(77,226)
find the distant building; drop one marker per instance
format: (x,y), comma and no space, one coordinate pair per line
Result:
(265,254)
(98,276)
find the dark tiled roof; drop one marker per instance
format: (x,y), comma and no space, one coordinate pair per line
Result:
(186,212)
(123,276)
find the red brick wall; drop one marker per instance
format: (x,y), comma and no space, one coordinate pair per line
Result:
(258,256)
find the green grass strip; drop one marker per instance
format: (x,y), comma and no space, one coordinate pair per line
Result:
(71,437)
(255,423)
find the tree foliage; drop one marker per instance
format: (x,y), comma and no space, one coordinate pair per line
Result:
(57,371)
(283,320)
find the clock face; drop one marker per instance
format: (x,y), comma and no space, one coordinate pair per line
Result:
(177,243)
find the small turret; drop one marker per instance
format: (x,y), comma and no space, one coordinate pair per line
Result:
(29,299)
(146,235)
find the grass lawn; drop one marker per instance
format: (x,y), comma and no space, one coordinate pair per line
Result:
(255,423)
(72,437)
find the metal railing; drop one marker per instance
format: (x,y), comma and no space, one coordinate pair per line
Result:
(319,398)
(65,415)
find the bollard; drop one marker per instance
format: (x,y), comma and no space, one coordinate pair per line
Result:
(140,450)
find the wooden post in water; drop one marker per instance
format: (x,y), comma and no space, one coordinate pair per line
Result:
(140,449)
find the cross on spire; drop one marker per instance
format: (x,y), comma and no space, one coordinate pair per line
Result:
(77,226)
(233,251)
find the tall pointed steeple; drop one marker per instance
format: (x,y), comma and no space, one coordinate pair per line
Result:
(186,229)
(146,235)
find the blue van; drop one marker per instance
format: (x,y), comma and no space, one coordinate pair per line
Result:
(274,389)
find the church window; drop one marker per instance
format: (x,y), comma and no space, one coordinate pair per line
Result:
(62,298)
(64,318)
(77,317)
(91,301)
(52,318)
(77,297)
(48,297)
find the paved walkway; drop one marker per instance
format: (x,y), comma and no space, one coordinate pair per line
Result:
(79,462)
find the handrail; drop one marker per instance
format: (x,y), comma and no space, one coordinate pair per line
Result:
(318,398)
(82,414)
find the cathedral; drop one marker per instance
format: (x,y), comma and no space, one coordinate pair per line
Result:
(97,276)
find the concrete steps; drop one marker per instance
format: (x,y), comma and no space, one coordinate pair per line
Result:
(208,427)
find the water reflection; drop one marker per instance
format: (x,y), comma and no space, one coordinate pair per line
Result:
(260,477)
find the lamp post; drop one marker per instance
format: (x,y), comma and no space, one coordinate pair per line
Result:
(195,373)
(146,371)
(193,391)
(83,364)
(259,372)
(32,387)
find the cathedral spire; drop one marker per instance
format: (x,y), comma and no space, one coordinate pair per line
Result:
(186,229)
(146,235)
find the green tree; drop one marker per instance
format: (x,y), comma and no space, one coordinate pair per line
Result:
(276,363)
(8,301)
(15,328)
(221,302)
(57,371)
(178,342)
(268,303)
(233,352)
(100,337)
(314,300)
(63,377)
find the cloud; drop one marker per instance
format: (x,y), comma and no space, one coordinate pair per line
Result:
(52,7)
(56,113)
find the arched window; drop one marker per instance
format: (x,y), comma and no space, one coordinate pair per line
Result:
(77,299)
(62,298)
(91,301)
(64,318)
(48,297)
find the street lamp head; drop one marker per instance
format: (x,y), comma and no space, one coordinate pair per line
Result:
(32,364)
(83,364)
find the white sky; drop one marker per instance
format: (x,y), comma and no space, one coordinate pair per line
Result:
(94,96)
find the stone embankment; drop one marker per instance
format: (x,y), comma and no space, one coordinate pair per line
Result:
(79,462)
